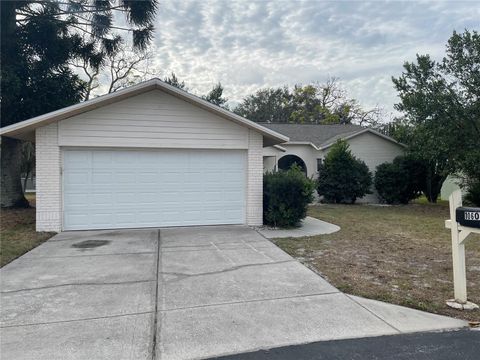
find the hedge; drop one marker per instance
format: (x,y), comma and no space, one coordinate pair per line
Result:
(286,195)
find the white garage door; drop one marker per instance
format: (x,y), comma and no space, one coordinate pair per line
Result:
(109,189)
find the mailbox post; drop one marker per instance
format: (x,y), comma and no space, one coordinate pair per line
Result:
(463,221)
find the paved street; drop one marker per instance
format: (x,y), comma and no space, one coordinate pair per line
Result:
(461,345)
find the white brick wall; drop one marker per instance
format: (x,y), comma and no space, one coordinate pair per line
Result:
(49,185)
(255,179)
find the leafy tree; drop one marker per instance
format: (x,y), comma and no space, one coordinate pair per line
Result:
(328,103)
(266,105)
(307,108)
(400,181)
(473,192)
(441,107)
(174,81)
(38,41)
(215,96)
(342,178)
(314,103)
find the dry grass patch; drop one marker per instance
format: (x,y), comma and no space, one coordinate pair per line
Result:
(17,232)
(398,254)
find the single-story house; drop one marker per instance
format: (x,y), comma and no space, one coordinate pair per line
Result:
(150,155)
(309,143)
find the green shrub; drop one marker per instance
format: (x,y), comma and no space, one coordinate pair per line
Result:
(400,181)
(286,195)
(472,197)
(342,178)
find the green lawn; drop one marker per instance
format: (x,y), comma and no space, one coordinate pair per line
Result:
(399,254)
(17,232)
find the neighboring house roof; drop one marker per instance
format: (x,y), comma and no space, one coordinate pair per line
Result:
(321,136)
(25,130)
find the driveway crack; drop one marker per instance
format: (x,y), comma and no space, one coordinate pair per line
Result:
(181,276)
(77,284)
(76,320)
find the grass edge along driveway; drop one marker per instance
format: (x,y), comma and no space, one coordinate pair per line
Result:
(17,232)
(397,254)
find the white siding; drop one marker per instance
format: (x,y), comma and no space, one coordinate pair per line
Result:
(270,158)
(305,152)
(153,119)
(49,184)
(374,150)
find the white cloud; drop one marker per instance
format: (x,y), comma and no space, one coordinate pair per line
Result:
(247,46)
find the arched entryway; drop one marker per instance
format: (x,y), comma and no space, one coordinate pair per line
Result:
(286,162)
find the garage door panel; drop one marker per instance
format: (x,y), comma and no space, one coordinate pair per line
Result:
(73,200)
(233,196)
(122,188)
(104,200)
(102,218)
(102,177)
(76,177)
(147,178)
(232,214)
(125,218)
(125,176)
(74,219)
(77,160)
(126,199)
(101,159)
(147,198)
(214,196)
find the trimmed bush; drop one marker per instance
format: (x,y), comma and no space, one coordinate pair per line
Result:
(286,195)
(342,178)
(400,181)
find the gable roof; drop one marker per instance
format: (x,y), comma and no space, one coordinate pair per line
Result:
(322,136)
(25,130)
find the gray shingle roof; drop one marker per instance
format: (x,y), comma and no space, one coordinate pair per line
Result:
(319,135)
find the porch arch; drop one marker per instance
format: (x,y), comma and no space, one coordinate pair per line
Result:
(286,162)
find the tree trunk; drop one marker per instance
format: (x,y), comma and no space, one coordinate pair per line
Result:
(433,185)
(11,184)
(25,181)
(11,149)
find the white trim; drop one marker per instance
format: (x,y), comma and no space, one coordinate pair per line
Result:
(281,148)
(363,132)
(302,143)
(23,129)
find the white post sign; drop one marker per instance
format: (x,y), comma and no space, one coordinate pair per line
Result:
(463,221)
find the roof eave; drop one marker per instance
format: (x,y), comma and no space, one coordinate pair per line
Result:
(281,148)
(25,130)
(308,143)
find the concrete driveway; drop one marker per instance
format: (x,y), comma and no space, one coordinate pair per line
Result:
(178,293)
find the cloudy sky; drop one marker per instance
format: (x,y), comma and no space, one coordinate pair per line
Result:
(248,45)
